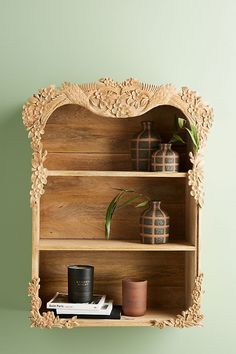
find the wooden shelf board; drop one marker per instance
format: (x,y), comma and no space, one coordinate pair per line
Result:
(67,173)
(125,321)
(109,245)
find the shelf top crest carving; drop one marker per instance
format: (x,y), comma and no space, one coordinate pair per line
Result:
(109,98)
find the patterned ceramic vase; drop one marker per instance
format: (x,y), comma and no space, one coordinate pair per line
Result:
(154,224)
(142,147)
(165,159)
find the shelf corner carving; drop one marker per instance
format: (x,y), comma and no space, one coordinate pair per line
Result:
(192,317)
(47,319)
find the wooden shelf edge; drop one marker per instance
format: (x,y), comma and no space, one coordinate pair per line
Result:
(126,321)
(110,245)
(68,173)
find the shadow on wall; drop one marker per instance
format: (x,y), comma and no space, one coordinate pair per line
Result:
(15,216)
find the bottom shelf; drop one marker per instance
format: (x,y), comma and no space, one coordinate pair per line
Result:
(151,317)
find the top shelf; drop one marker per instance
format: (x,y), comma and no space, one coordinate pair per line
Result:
(65,173)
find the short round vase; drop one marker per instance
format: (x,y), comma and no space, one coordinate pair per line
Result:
(154,224)
(142,147)
(165,159)
(134,297)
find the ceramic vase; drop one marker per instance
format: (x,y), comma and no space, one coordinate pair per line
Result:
(142,147)
(154,224)
(165,159)
(134,296)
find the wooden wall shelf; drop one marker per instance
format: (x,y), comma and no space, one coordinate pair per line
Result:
(80,140)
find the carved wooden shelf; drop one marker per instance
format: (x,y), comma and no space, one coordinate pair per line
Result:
(67,244)
(80,138)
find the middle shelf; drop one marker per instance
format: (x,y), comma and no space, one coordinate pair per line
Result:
(110,245)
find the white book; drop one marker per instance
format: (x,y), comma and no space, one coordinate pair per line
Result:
(60,301)
(105,310)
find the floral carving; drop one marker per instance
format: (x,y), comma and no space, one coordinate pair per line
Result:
(35,120)
(39,176)
(47,319)
(195,177)
(200,113)
(33,110)
(118,104)
(192,316)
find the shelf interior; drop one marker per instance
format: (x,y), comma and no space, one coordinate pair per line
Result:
(77,139)
(165,272)
(76,206)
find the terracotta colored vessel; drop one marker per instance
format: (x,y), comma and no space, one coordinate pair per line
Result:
(134,296)
(165,159)
(154,224)
(142,147)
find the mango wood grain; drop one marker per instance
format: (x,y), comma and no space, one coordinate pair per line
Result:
(72,128)
(101,144)
(164,272)
(75,207)
(110,245)
(88,161)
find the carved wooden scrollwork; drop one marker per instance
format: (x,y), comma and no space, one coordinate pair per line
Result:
(118,100)
(189,318)
(47,319)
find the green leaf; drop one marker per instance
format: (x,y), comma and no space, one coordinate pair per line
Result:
(195,134)
(128,201)
(142,204)
(193,138)
(181,122)
(176,138)
(110,211)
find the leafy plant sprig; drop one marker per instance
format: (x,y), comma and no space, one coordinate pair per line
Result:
(120,202)
(192,133)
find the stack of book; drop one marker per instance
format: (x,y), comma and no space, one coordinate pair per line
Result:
(97,308)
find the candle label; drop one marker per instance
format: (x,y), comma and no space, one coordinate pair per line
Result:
(82,282)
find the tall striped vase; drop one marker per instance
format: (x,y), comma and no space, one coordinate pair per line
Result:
(142,147)
(154,224)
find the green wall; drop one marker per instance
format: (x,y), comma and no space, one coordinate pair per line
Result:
(186,42)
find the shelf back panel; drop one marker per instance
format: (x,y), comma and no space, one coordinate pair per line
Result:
(75,207)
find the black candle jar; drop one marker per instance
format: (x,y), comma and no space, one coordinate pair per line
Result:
(80,283)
